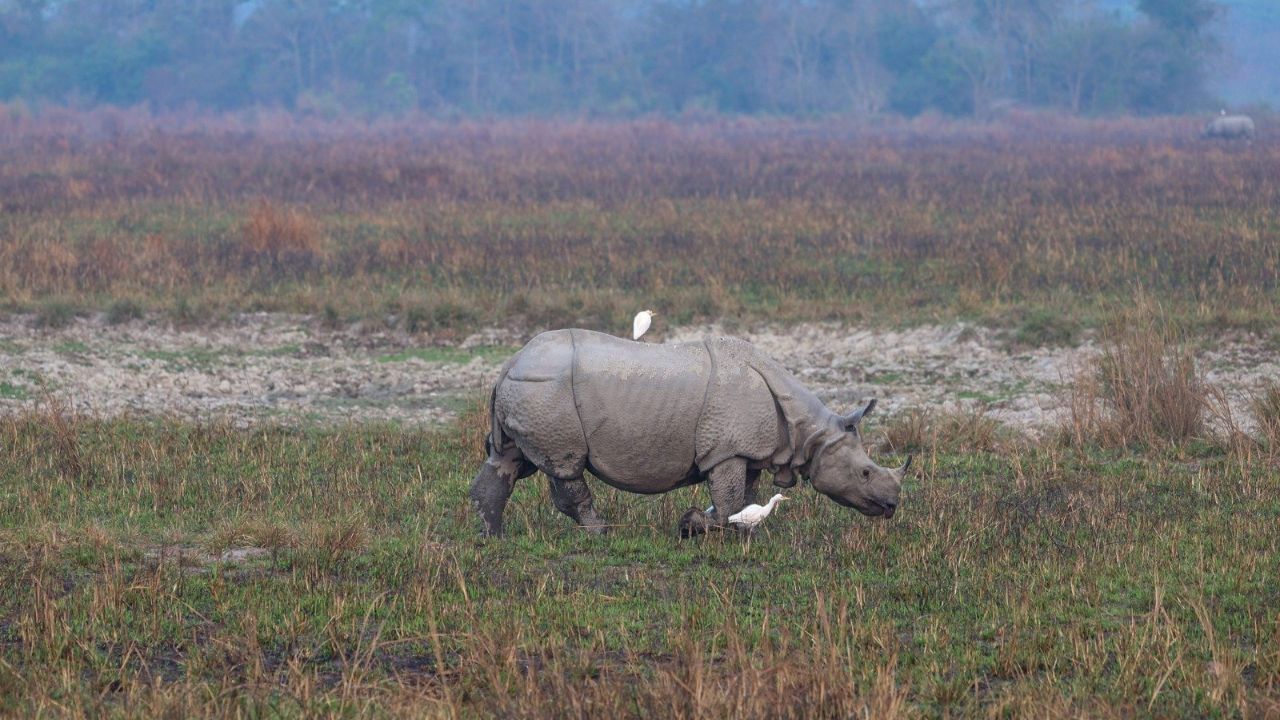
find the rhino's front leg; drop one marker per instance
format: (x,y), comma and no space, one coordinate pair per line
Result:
(573,498)
(728,488)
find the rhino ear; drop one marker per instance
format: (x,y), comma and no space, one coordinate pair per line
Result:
(850,422)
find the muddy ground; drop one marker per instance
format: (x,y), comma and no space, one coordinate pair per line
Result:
(292,369)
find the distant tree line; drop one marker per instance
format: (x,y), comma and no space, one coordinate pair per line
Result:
(611,57)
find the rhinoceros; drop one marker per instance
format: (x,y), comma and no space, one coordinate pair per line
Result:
(1230,127)
(649,418)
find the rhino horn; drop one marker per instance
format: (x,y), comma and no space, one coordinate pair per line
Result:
(850,421)
(905,466)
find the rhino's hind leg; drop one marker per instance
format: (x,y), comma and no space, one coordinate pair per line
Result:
(492,486)
(573,498)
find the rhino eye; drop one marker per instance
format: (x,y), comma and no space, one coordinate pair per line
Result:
(866,472)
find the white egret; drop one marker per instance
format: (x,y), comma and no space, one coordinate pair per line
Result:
(641,324)
(752,515)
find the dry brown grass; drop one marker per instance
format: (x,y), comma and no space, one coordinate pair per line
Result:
(60,422)
(1145,388)
(285,240)
(1266,411)
(786,675)
(334,539)
(579,223)
(251,534)
(966,429)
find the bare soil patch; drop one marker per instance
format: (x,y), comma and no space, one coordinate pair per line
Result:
(291,369)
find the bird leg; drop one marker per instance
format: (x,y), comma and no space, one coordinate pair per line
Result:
(573,498)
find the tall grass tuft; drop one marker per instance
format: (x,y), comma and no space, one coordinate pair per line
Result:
(61,426)
(1145,388)
(1266,411)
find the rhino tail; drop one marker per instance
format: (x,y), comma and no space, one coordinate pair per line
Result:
(497,441)
(495,438)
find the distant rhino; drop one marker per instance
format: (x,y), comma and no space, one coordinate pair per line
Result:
(1230,127)
(649,418)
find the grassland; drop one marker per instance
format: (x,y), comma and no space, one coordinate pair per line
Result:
(1017,580)
(1124,566)
(442,228)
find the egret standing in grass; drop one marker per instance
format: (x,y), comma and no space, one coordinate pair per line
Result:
(641,324)
(752,515)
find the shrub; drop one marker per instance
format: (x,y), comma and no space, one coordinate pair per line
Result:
(439,315)
(54,314)
(123,310)
(184,312)
(1041,327)
(330,318)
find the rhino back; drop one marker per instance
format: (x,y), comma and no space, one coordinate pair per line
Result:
(639,405)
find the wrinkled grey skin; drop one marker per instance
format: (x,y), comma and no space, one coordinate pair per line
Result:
(648,418)
(1230,127)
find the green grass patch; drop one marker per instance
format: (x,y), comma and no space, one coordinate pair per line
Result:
(1047,327)
(186,358)
(71,347)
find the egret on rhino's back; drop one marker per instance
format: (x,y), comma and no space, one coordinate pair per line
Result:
(649,418)
(640,325)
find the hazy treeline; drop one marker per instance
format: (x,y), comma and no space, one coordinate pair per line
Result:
(616,57)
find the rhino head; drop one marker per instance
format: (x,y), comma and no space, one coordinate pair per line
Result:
(841,469)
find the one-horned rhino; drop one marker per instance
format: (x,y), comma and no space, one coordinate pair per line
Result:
(1230,127)
(649,418)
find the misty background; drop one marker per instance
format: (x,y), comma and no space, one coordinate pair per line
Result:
(627,57)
